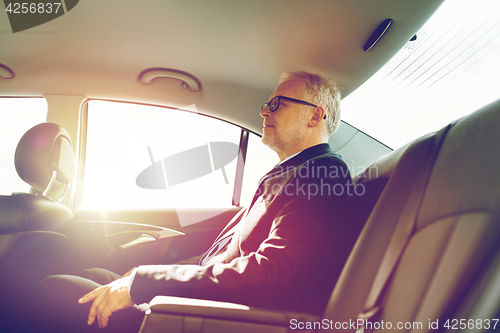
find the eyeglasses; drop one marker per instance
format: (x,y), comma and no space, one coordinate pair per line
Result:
(275,103)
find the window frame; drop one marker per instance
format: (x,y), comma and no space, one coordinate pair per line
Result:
(82,151)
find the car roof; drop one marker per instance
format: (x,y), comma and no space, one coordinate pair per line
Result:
(236,49)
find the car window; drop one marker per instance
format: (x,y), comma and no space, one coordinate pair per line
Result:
(448,70)
(259,160)
(141,156)
(17,115)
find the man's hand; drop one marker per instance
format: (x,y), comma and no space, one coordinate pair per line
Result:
(108,299)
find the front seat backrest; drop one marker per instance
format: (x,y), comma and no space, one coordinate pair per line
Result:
(45,160)
(31,243)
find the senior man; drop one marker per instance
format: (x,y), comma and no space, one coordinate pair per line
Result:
(285,251)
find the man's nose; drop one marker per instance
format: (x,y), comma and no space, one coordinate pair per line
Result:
(265,112)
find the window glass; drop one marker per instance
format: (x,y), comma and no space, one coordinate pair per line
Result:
(131,148)
(450,70)
(260,160)
(17,115)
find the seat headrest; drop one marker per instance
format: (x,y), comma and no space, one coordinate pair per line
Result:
(383,167)
(43,149)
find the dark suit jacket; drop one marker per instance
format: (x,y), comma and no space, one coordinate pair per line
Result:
(287,249)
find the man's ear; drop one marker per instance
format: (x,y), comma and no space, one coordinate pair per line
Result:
(318,113)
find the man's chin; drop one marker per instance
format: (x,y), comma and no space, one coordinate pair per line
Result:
(267,140)
(270,141)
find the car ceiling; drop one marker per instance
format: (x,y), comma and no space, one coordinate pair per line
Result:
(237,49)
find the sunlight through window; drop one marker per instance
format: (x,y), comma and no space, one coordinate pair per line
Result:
(450,71)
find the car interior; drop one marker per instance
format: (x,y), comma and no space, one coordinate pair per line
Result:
(106,106)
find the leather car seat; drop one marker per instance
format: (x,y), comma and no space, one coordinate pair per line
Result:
(31,224)
(452,232)
(428,244)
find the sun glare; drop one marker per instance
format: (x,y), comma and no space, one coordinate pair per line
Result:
(123,140)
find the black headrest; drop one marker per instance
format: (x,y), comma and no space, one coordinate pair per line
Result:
(43,149)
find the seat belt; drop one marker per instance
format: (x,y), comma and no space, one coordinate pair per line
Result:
(404,229)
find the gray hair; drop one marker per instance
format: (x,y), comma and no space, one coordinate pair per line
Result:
(321,91)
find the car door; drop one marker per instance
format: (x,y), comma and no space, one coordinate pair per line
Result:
(157,184)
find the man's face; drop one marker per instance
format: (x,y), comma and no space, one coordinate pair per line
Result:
(284,128)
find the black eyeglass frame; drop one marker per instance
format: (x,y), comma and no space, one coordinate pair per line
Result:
(287,98)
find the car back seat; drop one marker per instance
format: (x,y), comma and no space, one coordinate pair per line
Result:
(373,181)
(454,230)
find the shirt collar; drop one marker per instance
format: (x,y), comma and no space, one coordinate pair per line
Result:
(289,157)
(300,157)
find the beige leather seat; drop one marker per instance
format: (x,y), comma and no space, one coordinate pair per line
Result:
(444,190)
(455,229)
